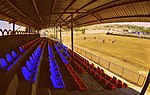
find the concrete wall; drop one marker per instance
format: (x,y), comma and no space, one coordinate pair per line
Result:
(13,86)
(12,42)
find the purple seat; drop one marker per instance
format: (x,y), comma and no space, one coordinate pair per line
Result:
(14,54)
(21,50)
(9,58)
(29,76)
(4,65)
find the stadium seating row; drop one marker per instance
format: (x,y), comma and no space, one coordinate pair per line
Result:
(12,58)
(79,67)
(30,70)
(55,76)
(27,45)
(60,51)
(110,82)
(63,49)
(81,85)
(50,51)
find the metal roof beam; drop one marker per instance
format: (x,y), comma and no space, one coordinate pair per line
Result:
(115,5)
(57,13)
(86,5)
(133,16)
(66,10)
(65,23)
(35,6)
(83,7)
(13,20)
(95,17)
(88,12)
(137,16)
(7,16)
(52,9)
(87,22)
(18,10)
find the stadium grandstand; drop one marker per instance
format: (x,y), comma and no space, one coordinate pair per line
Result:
(34,63)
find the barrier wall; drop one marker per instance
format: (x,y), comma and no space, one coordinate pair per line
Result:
(129,75)
(12,42)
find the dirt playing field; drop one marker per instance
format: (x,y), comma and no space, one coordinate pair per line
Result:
(128,52)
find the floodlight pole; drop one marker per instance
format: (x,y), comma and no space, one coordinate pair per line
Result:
(60,34)
(72,36)
(146,84)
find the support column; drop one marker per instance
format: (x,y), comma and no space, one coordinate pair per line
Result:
(26,30)
(146,84)
(29,30)
(13,28)
(60,34)
(38,31)
(72,36)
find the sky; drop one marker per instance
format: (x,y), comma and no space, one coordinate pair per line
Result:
(6,25)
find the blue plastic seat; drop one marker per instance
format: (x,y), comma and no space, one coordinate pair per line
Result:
(56,75)
(14,54)
(35,57)
(37,54)
(66,54)
(51,54)
(9,58)
(27,62)
(33,61)
(54,69)
(52,61)
(29,76)
(21,50)
(60,54)
(38,49)
(4,65)
(57,83)
(53,65)
(31,68)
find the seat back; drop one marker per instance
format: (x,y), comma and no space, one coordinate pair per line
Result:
(14,54)
(53,64)
(56,75)
(27,74)
(3,63)
(21,49)
(9,58)
(54,69)
(31,68)
(32,61)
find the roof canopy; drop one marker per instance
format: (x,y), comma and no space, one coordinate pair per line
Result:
(49,13)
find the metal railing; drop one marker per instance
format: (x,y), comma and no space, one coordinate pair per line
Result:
(129,75)
(9,32)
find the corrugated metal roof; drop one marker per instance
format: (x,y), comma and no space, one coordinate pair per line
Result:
(49,13)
